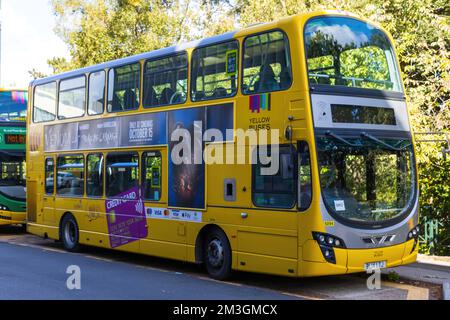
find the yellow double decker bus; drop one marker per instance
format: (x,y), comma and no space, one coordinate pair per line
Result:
(151,154)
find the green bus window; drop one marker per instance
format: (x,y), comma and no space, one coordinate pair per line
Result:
(13,105)
(96,99)
(49,176)
(70,176)
(72,98)
(267,63)
(44,108)
(152,176)
(215,71)
(122,173)
(124,88)
(165,81)
(304,177)
(276,191)
(94,178)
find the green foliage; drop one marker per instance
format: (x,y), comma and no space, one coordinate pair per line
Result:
(393,276)
(435,201)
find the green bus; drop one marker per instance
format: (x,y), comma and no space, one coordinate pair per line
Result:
(13,109)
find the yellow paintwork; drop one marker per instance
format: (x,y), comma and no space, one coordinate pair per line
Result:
(12,218)
(268,241)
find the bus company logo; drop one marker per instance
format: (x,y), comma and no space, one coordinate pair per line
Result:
(378,254)
(260,103)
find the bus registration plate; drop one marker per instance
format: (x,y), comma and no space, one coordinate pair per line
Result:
(375,265)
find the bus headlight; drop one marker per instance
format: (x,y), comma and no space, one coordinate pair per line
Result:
(414,234)
(4,208)
(327,243)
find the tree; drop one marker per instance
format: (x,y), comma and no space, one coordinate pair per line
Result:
(101,30)
(35,74)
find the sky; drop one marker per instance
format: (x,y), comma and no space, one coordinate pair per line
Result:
(28,40)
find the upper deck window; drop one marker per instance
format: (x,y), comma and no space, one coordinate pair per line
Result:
(347,52)
(44,108)
(267,63)
(96,102)
(72,98)
(215,71)
(165,81)
(124,88)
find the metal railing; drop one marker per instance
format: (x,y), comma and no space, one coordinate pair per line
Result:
(445,139)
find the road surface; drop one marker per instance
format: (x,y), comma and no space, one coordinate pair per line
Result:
(33,273)
(34,268)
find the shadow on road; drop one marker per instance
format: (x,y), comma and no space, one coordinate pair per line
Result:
(329,287)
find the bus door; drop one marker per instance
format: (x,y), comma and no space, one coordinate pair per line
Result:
(94,203)
(166,233)
(49,191)
(124,209)
(267,238)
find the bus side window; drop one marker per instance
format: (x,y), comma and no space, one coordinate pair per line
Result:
(96,93)
(94,178)
(304,176)
(267,63)
(152,175)
(215,71)
(70,176)
(165,81)
(124,88)
(44,107)
(49,176)
(72,98)
(278,190)
(122,173)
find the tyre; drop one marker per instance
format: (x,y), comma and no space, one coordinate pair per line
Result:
(217,253)
(70,233)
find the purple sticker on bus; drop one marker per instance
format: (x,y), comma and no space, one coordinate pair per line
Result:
(126,218)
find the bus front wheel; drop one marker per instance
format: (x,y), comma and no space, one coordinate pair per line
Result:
(70,233)
(217,255)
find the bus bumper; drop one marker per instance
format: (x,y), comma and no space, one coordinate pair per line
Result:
(8,217)
(354,260)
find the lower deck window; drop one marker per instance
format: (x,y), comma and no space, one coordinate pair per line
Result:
(278,190)
(151,176)
(49,176)
(94,179)
(122,173)
(70,176)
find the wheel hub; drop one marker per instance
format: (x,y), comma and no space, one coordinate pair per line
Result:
(70,233)
(215,253)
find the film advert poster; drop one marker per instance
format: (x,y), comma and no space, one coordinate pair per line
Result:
(187,180)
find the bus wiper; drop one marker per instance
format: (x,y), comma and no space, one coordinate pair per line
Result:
(387,145)
(339,138)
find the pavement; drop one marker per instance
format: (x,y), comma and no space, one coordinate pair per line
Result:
(35,268)
(427,269)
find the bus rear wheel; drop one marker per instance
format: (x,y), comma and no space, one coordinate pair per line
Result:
(217,255)
(70,233)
